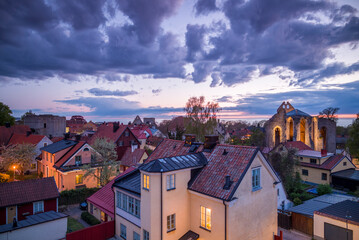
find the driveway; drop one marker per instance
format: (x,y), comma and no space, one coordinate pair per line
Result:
(293,235)
(74,211)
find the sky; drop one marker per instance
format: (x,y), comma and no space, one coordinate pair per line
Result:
(110,60)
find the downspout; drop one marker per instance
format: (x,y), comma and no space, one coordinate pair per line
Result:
(225,220)
(161,207)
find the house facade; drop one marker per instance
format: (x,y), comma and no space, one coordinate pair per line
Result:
(192,192)
(63,160)
(24,198)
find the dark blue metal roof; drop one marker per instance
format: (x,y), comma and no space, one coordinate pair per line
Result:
(175,163)
(346,210)
(130,182)
(58,146)
(297,112)
(33,220)
(350,174)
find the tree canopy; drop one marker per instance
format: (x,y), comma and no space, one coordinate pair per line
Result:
(19,155)
(353,141)
(104,164)
(329,113)
(5,115)
(202,116)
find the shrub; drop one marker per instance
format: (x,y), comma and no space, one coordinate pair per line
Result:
(4,177)
(75,196)
(297,201)
(87,217)
(324,189)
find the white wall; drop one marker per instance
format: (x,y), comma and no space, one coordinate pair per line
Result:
(282,197)
(52,230)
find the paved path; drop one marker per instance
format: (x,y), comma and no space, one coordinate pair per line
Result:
(294,235)
(74,211)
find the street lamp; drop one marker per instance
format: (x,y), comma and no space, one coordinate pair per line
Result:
(14,167)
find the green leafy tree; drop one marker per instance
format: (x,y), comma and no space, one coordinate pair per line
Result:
(19,155)
(5,115)
(202,116)
(324,189)
(104,161)
(329,113)
(257,138)
(353,141)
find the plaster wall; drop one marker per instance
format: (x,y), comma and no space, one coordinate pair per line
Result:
(130,228)
(315,175)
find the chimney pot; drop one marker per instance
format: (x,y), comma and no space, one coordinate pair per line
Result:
(227,184)
(324,152)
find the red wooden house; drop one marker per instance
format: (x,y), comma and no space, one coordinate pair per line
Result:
(23,198)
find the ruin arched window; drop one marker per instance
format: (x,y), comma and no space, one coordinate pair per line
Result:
(277,136)
(290,130)
(323,136)
(302,130)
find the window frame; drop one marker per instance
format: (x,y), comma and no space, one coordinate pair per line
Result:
(146,182)
(146,235)
(206,218)
(307,172)
(128,204)
(256,179)
(78,162)
(38,207)
(136,236)
(313,161)
(123,231)
(171,182)
(171,222)
(77,177)
(324,176)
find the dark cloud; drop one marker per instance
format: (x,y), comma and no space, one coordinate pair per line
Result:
(156,91)
(204,7)
(102,92)
(224,99)
(147,16)
(194,40)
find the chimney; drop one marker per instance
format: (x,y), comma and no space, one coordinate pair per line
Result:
(210,142)
(116,126)
(189,139)
(28,133)
(323,152)
(228,182)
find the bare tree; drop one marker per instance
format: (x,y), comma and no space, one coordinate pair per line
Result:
(18,155)
(329,113)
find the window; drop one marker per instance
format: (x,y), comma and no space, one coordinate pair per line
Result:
(256,179)
(128,204)
(44,125)
(171,182)
(123,233)
(33,165)
(38,207)
(136,236)
(79,179)
(305,172)
(277,192)
(171,222)
(120,143)
(127,133)
(86,149)
(313,161)
(91,208)
(146,182)
(146,235)
(103,217)
(301,158)
(45,144)
(78,160)
(206,219)
(324,176)
(344,163)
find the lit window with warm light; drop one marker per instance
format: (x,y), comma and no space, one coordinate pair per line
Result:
(146,182)
(206,218)
(79,179)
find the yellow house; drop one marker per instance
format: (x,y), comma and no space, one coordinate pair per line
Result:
(317,167)
(338,221)
(63,160)
(225,192)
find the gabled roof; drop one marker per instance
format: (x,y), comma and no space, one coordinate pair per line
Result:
(130,182)
(298,145)
(329,164)
(19,192)
(194,160)
(343,211)
(106,131)
(69,154)
(56,139)
(170,148)
(6,133)
(297,112)
(58,146)
(224,160)
(23,138)
(153,141)
(132,158)
(104,198)
(312,153)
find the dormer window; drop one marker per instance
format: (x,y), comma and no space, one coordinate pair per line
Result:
(78,160)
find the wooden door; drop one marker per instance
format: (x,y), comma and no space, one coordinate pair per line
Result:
(11,213)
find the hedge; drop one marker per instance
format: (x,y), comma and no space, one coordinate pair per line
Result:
(87,217)
(75,196)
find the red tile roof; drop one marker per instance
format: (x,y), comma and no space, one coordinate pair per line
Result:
(69,154)
(56,139)
(329,164)
(153,141)
(19,192)
(170,148)
(297,144)
(23,138)
(132,158)
(106,131)
(139,131)
(104,198)
(235,163)
(6,133)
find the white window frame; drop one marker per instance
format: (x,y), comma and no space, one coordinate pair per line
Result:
(171,222)
(38,207)
(206,218)
(123,234)
(171,182)
(136,236)
(256,178)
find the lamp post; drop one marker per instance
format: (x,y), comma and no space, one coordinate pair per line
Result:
(14,171)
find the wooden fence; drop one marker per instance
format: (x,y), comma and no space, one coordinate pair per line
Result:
(284,219)
(101,231)
(302,223)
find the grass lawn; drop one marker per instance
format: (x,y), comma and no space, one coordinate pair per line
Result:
(73,225)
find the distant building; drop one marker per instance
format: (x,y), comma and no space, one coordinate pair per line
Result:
(137,121)
(290,124)
(75,124)
(49,125)
(149,121)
